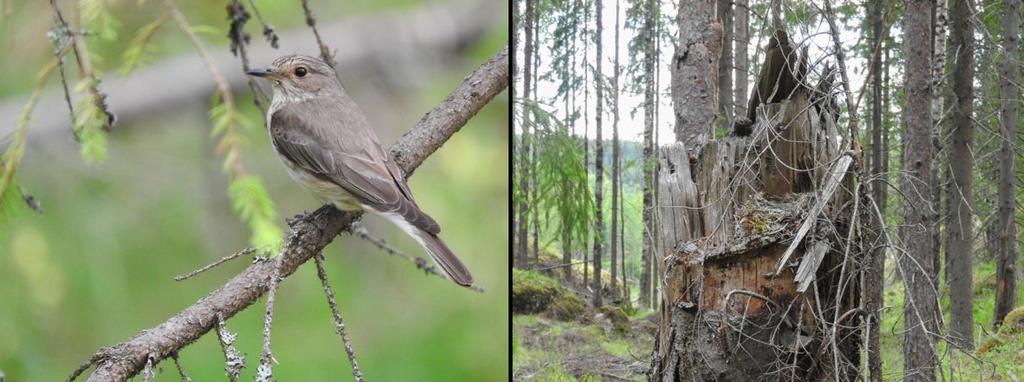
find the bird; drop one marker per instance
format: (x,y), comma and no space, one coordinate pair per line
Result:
(328,146)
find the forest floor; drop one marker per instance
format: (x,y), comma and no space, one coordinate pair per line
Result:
(998,355)
(552,350)
(556,337)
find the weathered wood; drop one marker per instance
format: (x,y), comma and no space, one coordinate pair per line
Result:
(729,212)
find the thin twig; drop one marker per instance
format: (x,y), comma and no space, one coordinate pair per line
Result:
(239,39)
(62,36)
(268,30)
(147,372)
(358,230)
(181,370)
(233,360)
(99,355)
(339,323)
(264,372)
(214,264)
(325,53)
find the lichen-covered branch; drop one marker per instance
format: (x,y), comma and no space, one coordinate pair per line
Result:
(308,236)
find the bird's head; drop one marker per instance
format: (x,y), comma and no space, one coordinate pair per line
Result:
(300,76)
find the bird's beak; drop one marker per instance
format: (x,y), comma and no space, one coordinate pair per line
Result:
(260,72)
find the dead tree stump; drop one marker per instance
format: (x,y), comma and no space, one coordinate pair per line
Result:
(728,211)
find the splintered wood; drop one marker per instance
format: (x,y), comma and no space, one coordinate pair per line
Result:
(737,217)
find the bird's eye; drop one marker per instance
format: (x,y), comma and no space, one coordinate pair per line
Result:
(300,71)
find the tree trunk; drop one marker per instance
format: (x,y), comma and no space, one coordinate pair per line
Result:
(875,268)
(742,66)
(533,153)
(622,245)
(615,164)
(586,133)
(939,52)
(524,151)
(695,71)
(570,123)
(725,64)
(920,309)
(733,307)
(599,237)
(1009,96)
(651,11)
(959,226)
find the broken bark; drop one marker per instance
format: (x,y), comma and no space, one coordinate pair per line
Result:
(739,303)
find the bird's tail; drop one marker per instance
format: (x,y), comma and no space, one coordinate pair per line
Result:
(450,265)
(444,258)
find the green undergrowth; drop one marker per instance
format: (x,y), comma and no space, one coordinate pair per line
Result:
(998,354)
(551,350)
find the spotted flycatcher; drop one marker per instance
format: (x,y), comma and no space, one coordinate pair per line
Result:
(327,145)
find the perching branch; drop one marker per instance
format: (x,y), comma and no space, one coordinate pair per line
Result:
(308,236)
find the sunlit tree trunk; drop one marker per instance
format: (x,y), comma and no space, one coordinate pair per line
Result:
(695,71)
(599,237)
(939,90)
(533,153)
(524,151)
(651,10)
(586,130)
(725,64)
(742,31)
(615,162)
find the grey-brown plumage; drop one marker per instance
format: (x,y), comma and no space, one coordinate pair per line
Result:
(328,146)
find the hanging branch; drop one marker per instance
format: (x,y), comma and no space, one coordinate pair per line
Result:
(268,30)
(239,39)
(339,323)
(325,53)
(309,234)
(248,197)
(93,116)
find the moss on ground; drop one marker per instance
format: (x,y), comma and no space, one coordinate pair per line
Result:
(534,293)
(551,350)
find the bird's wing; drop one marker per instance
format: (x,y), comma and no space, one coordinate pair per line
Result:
(336,144)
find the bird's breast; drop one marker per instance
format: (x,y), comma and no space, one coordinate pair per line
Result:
(324,190)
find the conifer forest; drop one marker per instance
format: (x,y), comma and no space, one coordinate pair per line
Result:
(766,190)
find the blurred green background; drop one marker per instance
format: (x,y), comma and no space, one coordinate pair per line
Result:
(98,265)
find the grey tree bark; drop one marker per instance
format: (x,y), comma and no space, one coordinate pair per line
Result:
(614,249)
(920,310)
(959,224)
(695,71)
(1009,96)
(742,39)
(599,236)
(939,89)
(651,11)
(586,129)
(875,267)
(524,146)
(725,64)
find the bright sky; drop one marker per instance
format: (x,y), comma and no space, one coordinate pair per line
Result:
(816,37)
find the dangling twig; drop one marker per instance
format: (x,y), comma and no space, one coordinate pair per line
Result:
(360,231)
(181,370)
(339,324)
(325,53)
(222,260)
(239,39)
(233,360)
(264,372)
(268,30)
